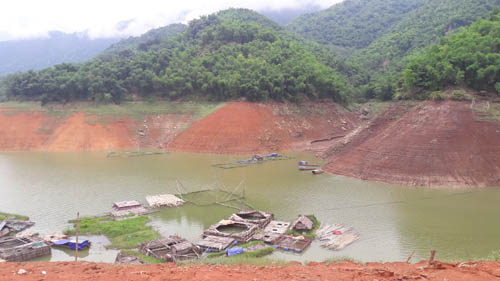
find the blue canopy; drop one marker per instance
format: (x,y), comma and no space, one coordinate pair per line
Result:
(72,244)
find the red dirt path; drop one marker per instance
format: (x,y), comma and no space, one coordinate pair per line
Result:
(67,271)
(431,144)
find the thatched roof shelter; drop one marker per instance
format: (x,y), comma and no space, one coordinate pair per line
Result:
(303,223)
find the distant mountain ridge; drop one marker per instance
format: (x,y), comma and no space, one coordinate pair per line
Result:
(23,55)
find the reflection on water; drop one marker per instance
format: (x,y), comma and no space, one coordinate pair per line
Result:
(393,221)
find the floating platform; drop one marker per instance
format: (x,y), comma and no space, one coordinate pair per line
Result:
(171,249)
(259,218)
(241,231)
(164,200)
(216,243)
(336,236)
(267,237)
(292,243)
(65,243)
(15,249)
(278,227)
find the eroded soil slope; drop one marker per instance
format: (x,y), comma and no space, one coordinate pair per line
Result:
(40,131)
(245,128)
(59,271)
(429,144)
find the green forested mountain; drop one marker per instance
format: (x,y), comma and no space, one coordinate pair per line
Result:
(469,57)
(232,54)
(385,57)
(23,55)
(379,35)
(154,37)
(353,24)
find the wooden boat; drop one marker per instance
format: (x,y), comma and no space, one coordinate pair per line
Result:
(307,164)
(317,172)
(306,168)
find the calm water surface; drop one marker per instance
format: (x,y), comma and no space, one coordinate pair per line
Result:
(393,221)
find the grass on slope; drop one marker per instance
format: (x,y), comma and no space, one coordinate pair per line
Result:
(135,109)
(124,234)
(7,216)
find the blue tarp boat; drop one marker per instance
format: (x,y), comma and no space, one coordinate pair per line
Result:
(72,244)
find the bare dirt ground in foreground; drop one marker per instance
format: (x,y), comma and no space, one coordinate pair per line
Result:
(67,271)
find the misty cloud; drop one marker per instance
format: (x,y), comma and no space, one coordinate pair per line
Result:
(31,18)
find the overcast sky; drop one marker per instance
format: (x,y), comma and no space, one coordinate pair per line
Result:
(104,18)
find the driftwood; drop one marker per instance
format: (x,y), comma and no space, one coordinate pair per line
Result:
(327,139)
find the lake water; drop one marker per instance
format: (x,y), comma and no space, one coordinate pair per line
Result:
(393,221)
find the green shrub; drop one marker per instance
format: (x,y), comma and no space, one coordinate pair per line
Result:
(437,96)
(124,234)
(497,87)
(494,255)
(460,95)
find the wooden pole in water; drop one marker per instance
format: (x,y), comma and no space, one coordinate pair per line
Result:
(77,229)
(411,256)
(431,259)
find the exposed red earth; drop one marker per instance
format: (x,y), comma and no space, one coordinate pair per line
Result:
(246,128)
(431,144)
(68,271)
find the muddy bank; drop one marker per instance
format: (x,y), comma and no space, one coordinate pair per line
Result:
(68,271)
(41,131)
(236,128)
(430,144)
(246,128)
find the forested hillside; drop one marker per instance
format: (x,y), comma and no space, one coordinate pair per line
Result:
(353,24)
(387,56)
(378,36)
(23,55)
(232,54)
(151,39)
(469,57)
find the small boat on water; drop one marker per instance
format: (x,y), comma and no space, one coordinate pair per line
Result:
(305,168)
(72,244)
(307,164)
(317,171)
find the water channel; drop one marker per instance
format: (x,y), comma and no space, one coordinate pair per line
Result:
(393,221)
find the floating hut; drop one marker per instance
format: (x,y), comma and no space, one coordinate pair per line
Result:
(291,243)
(126,208)
(303,223)
(216,243)
(126,205)
(336,236)
(164,200)
(15,249)
(278,227)
(258,218)
(241,231)
(171,249)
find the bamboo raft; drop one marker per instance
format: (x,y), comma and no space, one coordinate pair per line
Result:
(336,236)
